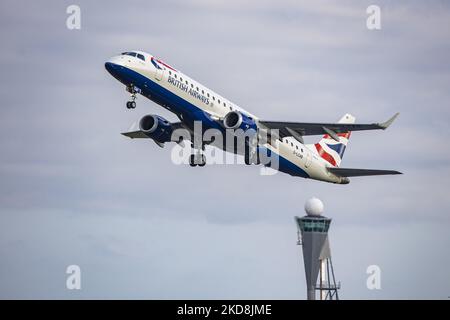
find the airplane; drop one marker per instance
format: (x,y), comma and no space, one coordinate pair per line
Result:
(192,102)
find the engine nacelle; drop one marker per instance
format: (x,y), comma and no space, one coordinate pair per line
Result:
(156,128)
(237,120)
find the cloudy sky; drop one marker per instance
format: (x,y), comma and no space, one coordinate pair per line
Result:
(74,191)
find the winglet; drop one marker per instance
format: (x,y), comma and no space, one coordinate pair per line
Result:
(386,124)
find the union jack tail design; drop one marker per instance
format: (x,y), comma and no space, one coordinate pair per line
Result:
(331,150)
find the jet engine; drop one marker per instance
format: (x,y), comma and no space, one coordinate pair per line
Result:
(156,128)
(238,120)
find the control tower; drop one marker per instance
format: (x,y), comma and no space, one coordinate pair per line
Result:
(313,237)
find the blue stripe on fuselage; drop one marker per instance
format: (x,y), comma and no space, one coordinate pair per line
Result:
(284,165)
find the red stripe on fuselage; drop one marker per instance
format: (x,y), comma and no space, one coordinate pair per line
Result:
(325,155)
(166,65)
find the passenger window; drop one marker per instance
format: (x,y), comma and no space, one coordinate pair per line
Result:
(181,79)
(192,86)
(196,88)
(186,82)
(203,91)
(224,104)
(218,100)
(175,75)
(207,94)
(170,72)
(214,98)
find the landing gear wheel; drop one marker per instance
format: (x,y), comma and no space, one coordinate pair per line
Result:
(131,104)
(197,160)
(202,161)
(192,160)
(247,159)
(133,94)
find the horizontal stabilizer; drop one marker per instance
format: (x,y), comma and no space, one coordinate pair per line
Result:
(347,172)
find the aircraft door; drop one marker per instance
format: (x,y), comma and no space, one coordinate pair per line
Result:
(308,159)
(159,74)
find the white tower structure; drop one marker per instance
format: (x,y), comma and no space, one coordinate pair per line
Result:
(313,237)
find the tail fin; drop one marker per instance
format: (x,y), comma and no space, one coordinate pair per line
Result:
(332,150)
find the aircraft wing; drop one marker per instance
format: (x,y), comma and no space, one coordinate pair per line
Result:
(135,134)
(309,128)
(347,172)
(138,134)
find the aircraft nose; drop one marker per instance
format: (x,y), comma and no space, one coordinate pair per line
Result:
(110,66)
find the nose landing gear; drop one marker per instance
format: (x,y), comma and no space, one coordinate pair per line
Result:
(133,94)
(131,104)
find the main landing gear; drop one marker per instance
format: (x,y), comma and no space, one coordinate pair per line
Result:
(133,94)
(197,158)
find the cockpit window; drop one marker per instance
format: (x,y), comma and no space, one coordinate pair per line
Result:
(133,54)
